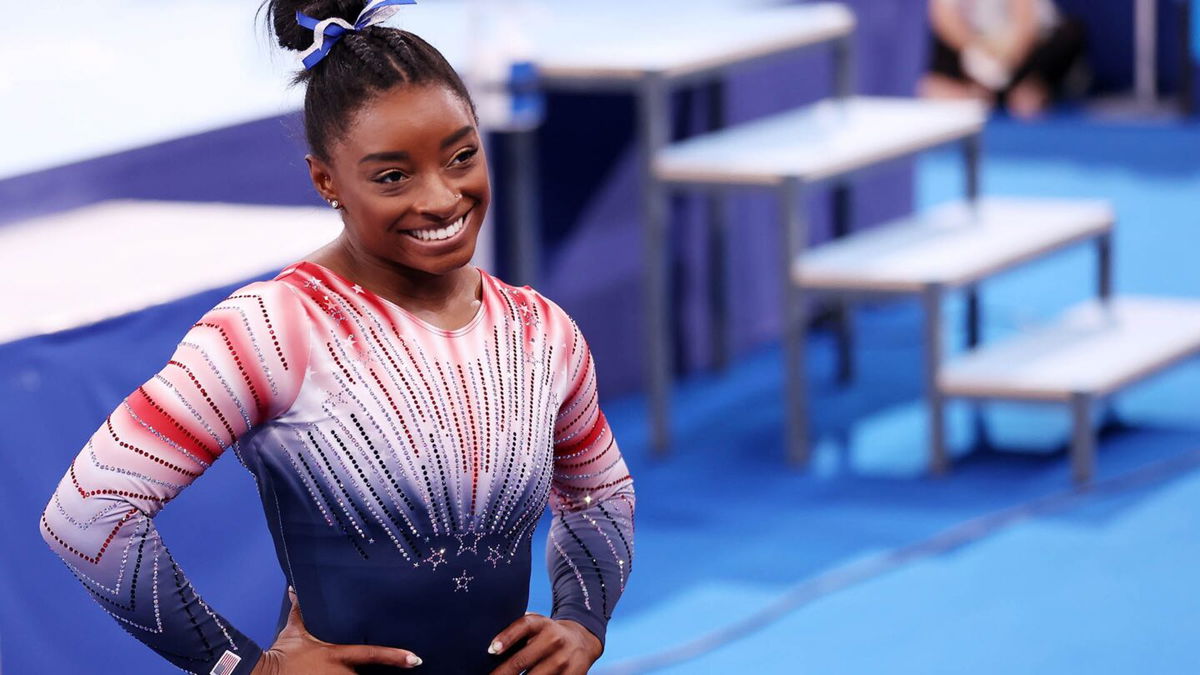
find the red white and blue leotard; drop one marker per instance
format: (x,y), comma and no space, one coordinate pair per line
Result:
(402,469)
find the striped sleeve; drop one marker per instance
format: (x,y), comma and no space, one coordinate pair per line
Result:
(590,546)
(241,364)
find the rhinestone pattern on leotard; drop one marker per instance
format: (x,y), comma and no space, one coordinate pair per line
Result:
(436,450)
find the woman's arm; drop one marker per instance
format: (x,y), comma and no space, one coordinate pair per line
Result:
(948,22)
(590,546)
(1022,35)
(241,364)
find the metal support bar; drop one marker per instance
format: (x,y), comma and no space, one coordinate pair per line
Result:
(523,208)
(1104,291)
(973,317)
(844,67)
(1083,439)
(793,234)
(653,126)
(972,151)
(842,317)
(718,264)
(974,333)
(1145,44)
(1104,271)
(931,301)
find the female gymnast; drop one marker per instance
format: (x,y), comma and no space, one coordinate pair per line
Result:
(406,416)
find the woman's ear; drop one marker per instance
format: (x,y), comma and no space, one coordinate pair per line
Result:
(321,177)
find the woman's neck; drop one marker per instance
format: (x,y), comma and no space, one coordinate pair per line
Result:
(444,300)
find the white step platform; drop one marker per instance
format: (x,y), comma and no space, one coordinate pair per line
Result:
(672,40)
(952,245)
(1094,350)
(101,261)
(827,139)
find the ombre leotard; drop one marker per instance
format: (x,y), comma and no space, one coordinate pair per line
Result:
(402,469)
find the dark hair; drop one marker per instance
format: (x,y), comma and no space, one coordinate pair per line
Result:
(362,65)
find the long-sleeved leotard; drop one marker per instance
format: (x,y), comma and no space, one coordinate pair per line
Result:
(402,469)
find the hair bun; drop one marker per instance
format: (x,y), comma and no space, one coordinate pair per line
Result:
(292,35)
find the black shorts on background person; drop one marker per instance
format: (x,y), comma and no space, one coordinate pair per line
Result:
(1050,61)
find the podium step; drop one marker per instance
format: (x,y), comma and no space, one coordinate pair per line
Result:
(952,245)
(1094,349)
(817,142)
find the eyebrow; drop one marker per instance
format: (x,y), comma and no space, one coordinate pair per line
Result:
(402,156)
(394,156)
(456,136)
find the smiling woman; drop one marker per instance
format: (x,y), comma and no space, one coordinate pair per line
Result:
(406,416)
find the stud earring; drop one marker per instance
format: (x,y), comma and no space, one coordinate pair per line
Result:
(335,203)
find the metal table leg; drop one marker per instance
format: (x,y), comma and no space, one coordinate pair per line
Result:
(1104,280)
(974,337)
(718,271)
(931,300)
(1104,283)
(842,317)
(652,133)
(1083,439)
(972,150)
(844,66)
(523,212)
(793,232)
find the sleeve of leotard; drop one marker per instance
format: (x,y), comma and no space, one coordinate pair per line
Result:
(241,364)
(590,547)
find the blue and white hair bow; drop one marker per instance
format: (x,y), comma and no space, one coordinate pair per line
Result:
(326,32)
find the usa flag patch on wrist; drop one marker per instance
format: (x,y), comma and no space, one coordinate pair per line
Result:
(226,664)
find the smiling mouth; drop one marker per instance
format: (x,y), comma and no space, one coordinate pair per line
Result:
(440,233)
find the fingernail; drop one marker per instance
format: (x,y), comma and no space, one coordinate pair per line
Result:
(414,660)
(496,648)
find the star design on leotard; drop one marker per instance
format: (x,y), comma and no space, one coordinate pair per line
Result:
(462,546)
(313,283)
(528,316)
(357,289)
(436,558)
(462,581)
(494,556)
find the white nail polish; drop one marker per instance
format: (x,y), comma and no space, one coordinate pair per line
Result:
(495,647)
(414,660)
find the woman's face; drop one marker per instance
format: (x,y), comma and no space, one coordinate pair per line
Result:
(412,178)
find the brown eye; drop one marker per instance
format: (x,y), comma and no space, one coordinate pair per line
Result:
(463,156)
(391,177)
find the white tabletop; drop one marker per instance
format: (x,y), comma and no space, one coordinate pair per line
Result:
(101,261)
(79,82)
(952,245)
(1094,348)
(673,39)
(819,141)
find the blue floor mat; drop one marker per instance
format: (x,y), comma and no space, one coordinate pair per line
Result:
(724,529)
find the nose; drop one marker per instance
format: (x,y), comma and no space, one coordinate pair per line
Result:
(438,199)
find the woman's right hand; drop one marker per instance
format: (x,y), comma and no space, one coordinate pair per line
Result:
(297,652)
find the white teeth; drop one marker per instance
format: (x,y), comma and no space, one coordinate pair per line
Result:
(440,233)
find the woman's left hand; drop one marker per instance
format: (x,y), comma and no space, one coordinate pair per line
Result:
(549,647)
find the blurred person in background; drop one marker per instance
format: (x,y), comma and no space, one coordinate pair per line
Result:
(406,416)
(1012,53)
